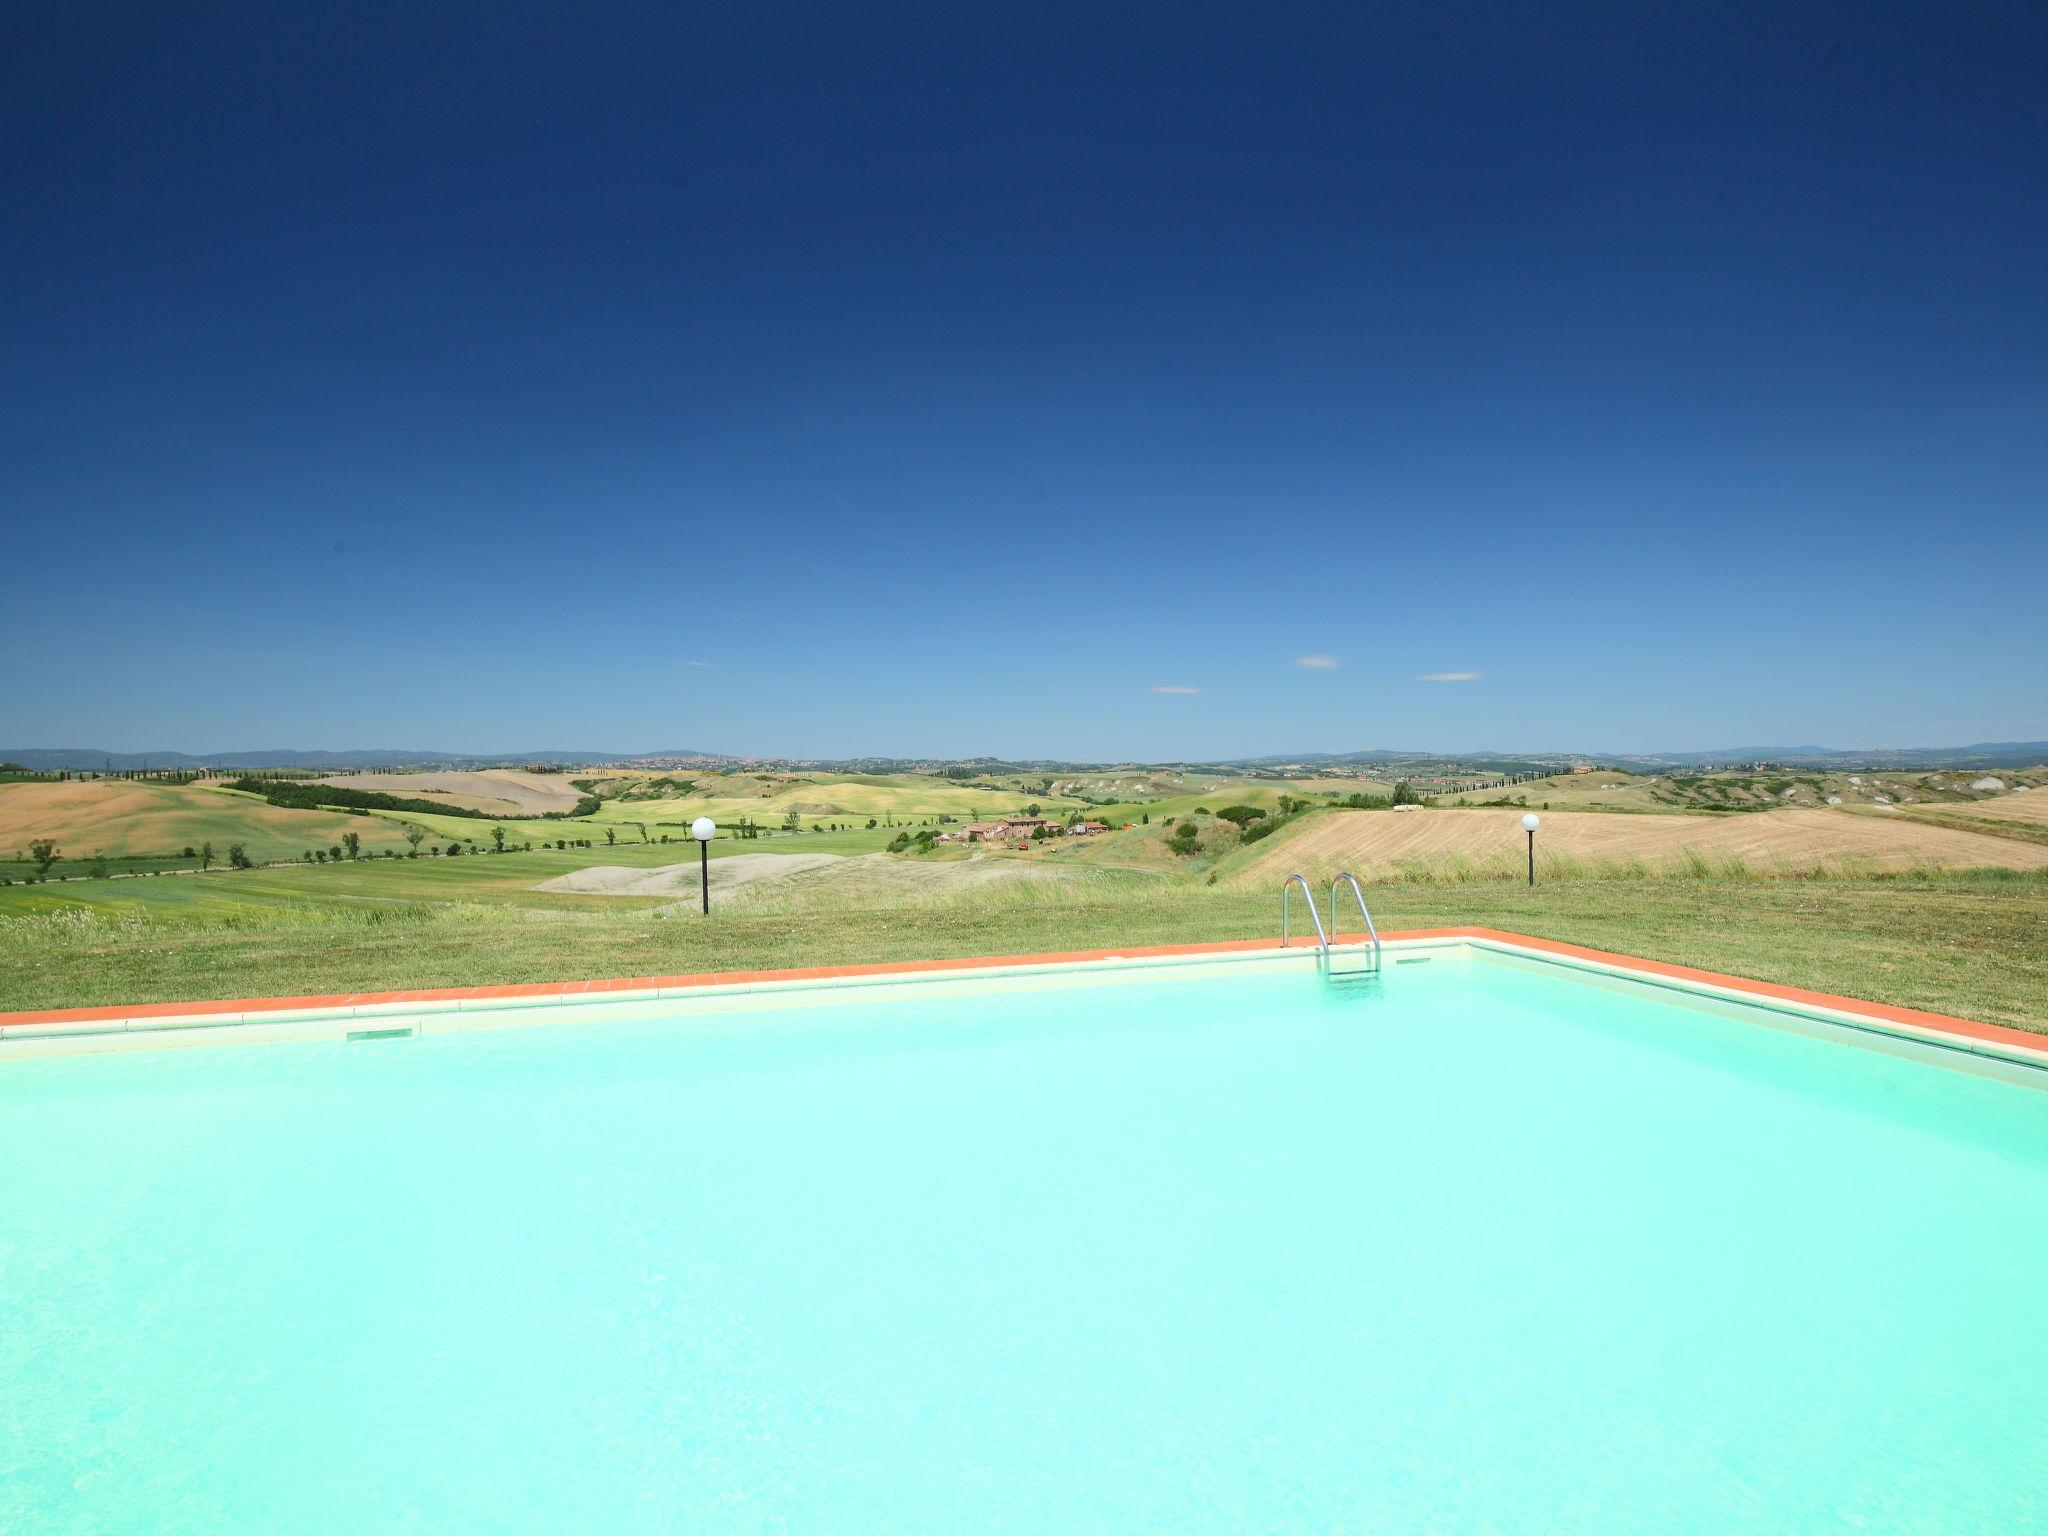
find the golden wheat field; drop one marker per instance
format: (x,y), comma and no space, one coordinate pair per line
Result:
(1379,843)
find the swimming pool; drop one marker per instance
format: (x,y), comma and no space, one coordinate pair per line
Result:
(1487,1245)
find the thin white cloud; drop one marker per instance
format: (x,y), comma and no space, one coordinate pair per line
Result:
(1174,688)
(1447,677)
(1317,662)
(712,665)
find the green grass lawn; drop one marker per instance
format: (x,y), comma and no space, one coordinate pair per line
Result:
(1974,945)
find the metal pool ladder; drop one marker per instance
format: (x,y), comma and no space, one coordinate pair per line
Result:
(1326,958)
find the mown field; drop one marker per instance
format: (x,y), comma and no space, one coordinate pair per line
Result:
(1941,906)
(1465,844)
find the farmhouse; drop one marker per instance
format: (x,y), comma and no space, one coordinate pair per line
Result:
(1088,828)
(1005,829)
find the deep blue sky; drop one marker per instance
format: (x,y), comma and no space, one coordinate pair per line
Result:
(821,380)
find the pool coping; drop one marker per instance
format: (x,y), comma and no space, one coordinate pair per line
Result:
(49,1027)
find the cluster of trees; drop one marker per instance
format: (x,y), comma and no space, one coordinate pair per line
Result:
(1252,821)
(1404,794)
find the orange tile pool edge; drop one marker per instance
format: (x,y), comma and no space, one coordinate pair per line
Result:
(1913,1018)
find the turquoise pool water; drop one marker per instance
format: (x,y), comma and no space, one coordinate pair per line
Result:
(1487,1251)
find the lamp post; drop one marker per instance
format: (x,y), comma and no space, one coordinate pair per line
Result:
(1530,823)
(703,829)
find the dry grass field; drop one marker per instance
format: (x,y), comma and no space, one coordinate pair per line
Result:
(1389,844)
(875,880)
(683,877)
(498,791)
(826,881)
(2027,807)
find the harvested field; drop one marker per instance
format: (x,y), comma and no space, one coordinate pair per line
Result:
(1386,845)
(499,791)
(123,816)
(2019,806)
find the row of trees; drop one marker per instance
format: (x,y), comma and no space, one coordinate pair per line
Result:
(86,775)
(44,853)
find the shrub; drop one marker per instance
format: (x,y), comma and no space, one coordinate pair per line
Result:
(1242,815)
(238,856)
(1183,841)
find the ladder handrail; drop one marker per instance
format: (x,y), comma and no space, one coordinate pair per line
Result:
(1286,898)
(1363,911)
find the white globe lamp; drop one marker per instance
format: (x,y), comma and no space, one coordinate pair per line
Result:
(1530,823)
(704,829)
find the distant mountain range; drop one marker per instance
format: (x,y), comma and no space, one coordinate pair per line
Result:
(51,758)
(1984,754)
